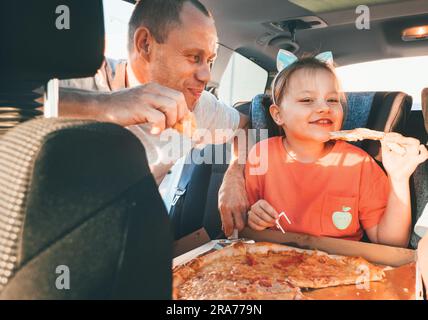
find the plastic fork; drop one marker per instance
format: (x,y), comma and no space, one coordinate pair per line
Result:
(282,220)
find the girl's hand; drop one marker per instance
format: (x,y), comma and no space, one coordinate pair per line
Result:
(401,155)
(262,215)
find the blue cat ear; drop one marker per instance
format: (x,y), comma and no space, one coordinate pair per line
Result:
(284,58)
(326,57)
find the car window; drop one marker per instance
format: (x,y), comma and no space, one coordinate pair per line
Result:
(116,17)
(409,75)
(242,80)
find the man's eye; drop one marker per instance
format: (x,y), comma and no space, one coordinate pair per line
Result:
(195,59)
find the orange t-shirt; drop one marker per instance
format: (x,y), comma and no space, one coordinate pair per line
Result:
(339,195)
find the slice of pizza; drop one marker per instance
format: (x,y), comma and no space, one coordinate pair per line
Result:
(187,125)
(362,134)
(321,270)
(357,134)
(315,269)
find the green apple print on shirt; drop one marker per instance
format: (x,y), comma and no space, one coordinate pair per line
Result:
(342,219)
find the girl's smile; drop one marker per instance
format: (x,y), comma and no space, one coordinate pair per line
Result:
(323,122)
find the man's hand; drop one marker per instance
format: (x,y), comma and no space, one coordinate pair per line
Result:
(262,216)
(149,103)
(232,197)
(232,201)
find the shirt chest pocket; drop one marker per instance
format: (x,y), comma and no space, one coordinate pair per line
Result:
(339,216)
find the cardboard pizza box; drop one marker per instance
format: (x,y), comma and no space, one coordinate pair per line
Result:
(375,253)
(404,282)
(190,242)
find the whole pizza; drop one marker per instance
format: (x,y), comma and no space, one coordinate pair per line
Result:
(267,271)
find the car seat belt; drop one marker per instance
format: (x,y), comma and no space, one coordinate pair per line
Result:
(186,174)
(176,213)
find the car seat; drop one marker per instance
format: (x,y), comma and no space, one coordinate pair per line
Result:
(77,198)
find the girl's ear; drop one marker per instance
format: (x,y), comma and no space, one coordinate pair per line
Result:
(276,114)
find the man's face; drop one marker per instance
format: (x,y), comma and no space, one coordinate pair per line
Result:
(183,61)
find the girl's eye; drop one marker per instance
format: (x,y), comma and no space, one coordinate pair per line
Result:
(333,101)
(306,100)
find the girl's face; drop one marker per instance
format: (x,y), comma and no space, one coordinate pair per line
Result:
(310,107)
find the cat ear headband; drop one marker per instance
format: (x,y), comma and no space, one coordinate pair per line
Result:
(286,58)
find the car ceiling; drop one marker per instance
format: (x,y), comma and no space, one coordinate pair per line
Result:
(243,26)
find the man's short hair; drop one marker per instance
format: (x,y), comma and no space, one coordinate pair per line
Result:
(159,16)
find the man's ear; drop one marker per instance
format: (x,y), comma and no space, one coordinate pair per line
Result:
(143,42)
(276,114)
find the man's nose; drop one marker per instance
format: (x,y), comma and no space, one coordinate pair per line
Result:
(204,72)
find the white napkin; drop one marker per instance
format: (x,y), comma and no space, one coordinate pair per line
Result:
(421,226)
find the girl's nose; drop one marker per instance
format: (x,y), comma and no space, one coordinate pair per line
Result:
(323,107)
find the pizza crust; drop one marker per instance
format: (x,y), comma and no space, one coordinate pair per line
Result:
(362,134)
(357,134)
(187,125)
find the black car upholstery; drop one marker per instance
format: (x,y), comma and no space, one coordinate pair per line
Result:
(40,47)
(80,194)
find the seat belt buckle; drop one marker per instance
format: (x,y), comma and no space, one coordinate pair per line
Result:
(177,196)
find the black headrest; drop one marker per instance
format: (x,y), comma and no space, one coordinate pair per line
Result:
(50,39)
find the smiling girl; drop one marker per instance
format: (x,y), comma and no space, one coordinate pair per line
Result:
(327,188)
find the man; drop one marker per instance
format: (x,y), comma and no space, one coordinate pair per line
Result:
(172,44)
